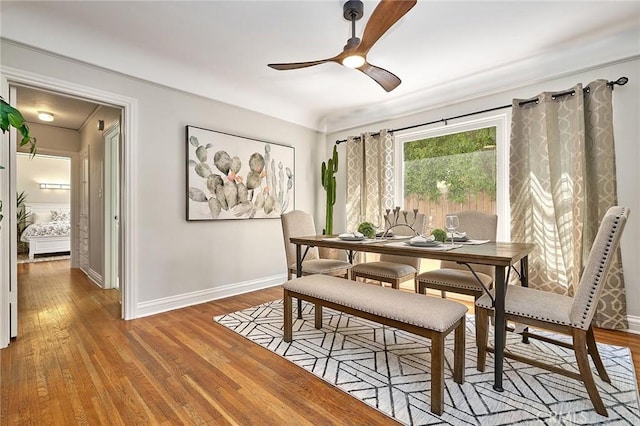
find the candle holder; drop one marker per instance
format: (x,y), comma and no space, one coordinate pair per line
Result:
(393,219)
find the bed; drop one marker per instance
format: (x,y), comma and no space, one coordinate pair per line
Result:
(49,229)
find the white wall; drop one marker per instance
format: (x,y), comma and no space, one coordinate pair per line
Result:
(627,134)
(56,138)
(93,138)
(31,172)
(175,257)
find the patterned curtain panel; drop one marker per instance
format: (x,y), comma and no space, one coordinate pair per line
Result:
(355,177)
(562,180)
(369,178)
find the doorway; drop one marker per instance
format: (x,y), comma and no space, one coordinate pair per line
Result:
(8,316)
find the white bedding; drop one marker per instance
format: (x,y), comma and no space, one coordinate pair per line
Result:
(46,229)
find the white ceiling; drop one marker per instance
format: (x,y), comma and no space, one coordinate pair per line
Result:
(442,50)
(68,113)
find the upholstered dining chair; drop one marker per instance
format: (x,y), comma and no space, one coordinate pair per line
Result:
(455,278)
(563,314)
(390,268)
(297,223)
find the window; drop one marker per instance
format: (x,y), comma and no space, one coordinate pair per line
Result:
(453,168)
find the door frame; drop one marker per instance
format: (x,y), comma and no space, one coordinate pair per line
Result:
(129,126)
(111,197)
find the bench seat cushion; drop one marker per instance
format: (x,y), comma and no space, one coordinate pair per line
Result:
(417,309)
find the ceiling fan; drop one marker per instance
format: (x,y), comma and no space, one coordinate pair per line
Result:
(354,55)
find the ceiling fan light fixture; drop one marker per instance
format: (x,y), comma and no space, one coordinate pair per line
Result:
(45,116)
(353,61)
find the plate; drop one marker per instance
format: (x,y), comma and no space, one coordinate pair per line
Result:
(459,239)
(423,243)
(351,238)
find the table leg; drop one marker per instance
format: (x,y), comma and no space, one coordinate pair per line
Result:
(299,274)
(524,281)
(500,327)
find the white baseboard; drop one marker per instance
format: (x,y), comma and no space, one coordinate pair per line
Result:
(165,304)
(95,277)
(634,324)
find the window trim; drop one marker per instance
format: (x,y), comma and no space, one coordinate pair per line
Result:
(499,121)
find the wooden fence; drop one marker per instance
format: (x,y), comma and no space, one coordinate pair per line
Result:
(437,210)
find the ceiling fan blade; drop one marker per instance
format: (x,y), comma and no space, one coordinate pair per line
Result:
(384,78)
(296,65)
(387,13)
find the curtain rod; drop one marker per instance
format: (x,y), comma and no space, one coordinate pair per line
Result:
(620,82)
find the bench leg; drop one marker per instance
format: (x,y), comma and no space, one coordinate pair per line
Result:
(459,352)
(437,373)
(288,321)
(318,316)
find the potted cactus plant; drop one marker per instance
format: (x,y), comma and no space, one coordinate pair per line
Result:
(327,174)
(328,179)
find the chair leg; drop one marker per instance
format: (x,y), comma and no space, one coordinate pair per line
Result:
(394,284)
(443,294)
(318,316)
(580,349)
(595,356)
(482,335)
(459,352)
(288,321)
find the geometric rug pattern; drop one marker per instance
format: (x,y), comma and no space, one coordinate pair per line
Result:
(388,369)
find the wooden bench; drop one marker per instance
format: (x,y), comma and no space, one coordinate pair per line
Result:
(426,316)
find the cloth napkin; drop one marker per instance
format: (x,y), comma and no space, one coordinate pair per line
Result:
(351,235)
(457,234)
(422,239)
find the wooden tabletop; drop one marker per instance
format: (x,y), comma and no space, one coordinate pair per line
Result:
(491,253)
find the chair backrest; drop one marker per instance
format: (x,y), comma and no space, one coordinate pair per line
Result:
(297,223)
(417,223)
(595,272)
(478,226)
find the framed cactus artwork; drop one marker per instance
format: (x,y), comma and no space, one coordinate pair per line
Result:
(232,177)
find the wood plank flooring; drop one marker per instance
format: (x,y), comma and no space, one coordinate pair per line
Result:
(76,362)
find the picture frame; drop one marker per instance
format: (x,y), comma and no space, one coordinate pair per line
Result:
(232,177)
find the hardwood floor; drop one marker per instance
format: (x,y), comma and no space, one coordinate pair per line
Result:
(76,362)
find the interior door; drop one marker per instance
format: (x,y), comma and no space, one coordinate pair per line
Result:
(112,207)
(83,222)
(11,211)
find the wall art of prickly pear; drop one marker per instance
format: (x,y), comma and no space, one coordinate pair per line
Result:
(230,177)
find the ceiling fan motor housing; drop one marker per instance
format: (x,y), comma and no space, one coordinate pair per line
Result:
(353,10)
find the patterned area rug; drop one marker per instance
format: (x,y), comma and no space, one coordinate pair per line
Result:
(388,369)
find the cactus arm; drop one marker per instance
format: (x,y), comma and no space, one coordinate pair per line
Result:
(335,159)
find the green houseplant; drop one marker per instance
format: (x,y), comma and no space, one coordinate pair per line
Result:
(11,117)
(327,174)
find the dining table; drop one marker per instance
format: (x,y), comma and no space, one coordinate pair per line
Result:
(501,255)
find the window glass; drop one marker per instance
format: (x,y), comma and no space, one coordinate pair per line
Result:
(456,167)
(451,173)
